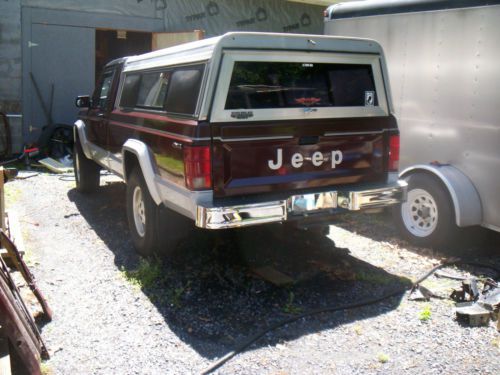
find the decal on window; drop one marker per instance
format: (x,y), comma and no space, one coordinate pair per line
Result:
(369,98)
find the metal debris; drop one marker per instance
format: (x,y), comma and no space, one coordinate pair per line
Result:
(477,308)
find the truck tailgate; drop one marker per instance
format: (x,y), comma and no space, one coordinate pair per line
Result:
(255,158)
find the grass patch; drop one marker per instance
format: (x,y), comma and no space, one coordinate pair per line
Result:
(383,358)
(145,275)
(425,314)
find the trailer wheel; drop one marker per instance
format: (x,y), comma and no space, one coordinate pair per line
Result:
(427,217)
(87,172)
(154,228)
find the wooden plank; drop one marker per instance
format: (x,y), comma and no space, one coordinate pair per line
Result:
(5,367)
(165,40)
(14,231)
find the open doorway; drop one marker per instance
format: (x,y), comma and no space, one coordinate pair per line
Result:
(112,44)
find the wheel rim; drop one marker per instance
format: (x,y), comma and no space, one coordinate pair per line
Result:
(139,211)
(420,213)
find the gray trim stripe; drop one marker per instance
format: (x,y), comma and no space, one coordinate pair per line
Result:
(242,139)
(384,7)
(333,134)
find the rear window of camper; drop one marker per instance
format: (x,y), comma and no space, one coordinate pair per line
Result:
(264,85)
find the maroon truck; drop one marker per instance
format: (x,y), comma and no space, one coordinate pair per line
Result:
(242,129)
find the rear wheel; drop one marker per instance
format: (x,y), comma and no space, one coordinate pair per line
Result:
(87,172)
(427,218)
(154,228)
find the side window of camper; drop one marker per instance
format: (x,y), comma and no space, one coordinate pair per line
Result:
(145,90)
(184,90)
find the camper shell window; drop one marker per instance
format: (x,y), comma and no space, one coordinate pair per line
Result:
(173,91)
(258,85)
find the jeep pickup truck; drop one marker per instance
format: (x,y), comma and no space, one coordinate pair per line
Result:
(242,129)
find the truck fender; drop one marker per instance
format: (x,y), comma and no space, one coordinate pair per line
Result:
(465,198)
(79,129)
(147,164)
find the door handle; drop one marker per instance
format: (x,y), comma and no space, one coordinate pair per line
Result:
(100,114)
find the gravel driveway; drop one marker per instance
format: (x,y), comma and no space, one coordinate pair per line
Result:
(117,314)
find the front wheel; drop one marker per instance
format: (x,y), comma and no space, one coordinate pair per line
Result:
(427,218)
(87,172)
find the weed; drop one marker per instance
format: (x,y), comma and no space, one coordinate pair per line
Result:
(289,307)
(358,330)
(373,278)
(177,293)
(45,369)
(383,358)
(425,314)
(145,275)
(496,342)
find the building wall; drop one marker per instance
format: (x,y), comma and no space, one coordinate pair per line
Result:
(10,56)
(214,17)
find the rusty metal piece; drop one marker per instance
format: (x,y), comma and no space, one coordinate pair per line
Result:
(469,291)
(23,268)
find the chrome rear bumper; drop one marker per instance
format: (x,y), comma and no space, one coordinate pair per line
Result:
(299,205)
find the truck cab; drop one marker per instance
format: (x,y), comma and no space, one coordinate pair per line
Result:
(242,129)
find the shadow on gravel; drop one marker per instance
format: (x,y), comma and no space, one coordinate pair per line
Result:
(210,296)
(473,242)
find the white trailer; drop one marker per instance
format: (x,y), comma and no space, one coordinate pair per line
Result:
(443,61)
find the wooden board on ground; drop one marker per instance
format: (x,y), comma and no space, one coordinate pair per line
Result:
(55,166)
(272,275)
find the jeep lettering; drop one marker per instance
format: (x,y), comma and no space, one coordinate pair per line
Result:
(221,133)
(297,161)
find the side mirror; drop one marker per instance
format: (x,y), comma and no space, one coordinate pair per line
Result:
(82,101)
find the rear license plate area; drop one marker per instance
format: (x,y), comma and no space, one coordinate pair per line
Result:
(299,204)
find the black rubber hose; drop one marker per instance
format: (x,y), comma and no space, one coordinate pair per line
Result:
(348,306)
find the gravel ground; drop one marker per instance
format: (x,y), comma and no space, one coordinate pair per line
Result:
(117,314)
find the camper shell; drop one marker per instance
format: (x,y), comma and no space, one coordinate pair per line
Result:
(442,59)
(245,129)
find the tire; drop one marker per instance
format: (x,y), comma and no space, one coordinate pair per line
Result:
(427,218)
(154,228)
(87,172)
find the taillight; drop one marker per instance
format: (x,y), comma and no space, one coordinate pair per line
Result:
(394,153)
(197,167)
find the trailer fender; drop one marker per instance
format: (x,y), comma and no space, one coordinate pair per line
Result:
(79,129)
(146,162)
(466,200)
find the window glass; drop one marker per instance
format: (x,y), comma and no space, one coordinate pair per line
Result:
(101,97)
(130,89)
(260,85)
(152,90)
(184,90)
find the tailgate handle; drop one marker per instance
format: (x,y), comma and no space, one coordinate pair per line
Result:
(308,140)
